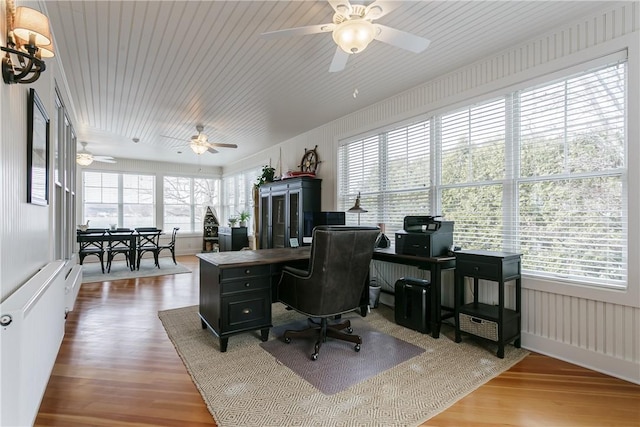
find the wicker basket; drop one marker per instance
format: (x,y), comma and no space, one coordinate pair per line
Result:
(479,327)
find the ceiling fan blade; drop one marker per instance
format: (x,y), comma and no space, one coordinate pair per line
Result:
(343,7)
(401,39)
(171,137)
(380,8)
(103,160)
(299,31)
(339,61)
(221,144)
(212,150)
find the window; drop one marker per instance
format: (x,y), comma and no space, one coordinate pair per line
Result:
(540,171)
(391,171)
(186,200)
(125,200)
(238,196)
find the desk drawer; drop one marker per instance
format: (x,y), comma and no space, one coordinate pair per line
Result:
(238,272)
(481,270)
(246,310)
(245,284)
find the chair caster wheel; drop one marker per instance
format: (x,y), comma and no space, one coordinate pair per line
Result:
(314,356)
(350,329)
(287,340)
(357,347)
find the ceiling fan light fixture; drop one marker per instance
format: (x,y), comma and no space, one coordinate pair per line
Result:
(84,159)
(354,35)
(198,146)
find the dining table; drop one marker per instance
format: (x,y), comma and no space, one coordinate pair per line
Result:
(107,235)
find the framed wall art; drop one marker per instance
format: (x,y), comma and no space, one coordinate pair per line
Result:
(37,151)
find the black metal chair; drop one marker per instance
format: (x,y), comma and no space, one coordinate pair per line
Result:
(171,245)
(91,243)
(333,284)
(148,241)
(121,241)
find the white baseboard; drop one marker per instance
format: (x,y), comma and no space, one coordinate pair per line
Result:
(604,363)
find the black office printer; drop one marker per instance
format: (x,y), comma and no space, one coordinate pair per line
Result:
(424,236)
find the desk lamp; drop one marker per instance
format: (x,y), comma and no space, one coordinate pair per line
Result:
(357,209)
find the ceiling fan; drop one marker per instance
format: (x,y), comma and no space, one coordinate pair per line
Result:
(353,30)
(85,158)
(200,143)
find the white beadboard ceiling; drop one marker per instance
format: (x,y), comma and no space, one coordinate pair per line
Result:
(150,69)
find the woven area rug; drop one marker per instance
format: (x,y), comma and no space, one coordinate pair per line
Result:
(91,271)
(247,386)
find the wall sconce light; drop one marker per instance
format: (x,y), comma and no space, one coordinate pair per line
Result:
(357,208)
(27,43)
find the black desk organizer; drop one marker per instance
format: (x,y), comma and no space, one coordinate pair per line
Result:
(492,322)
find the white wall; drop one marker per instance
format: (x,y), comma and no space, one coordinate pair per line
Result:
(25,229)
(599,329)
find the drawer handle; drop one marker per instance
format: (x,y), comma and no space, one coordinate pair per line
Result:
(247,271)
(246,311)
(476,268)
(246,285)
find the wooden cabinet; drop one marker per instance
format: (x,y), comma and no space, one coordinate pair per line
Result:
(233,238)
(282,207)
(210,231)
(492,322)
(235,300)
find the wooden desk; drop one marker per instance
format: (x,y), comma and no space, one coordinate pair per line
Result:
(435,266)
(238,288)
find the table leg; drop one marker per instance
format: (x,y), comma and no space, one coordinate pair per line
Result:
(264,334)
(223,344)
(436,283)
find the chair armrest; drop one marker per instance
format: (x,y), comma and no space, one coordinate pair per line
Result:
(295,272)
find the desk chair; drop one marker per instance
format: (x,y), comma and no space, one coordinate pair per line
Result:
(171,245)
(121,242)
(93,247)
(333,284)
(148,241)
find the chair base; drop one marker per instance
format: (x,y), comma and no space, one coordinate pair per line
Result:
(324,330)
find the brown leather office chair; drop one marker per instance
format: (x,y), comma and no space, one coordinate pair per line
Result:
(333,284)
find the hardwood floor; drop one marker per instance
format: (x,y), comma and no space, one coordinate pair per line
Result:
(117,367)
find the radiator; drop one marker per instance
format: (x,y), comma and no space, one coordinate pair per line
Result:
(32,327)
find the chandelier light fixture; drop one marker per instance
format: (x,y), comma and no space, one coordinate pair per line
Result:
(354,35)
(28,42)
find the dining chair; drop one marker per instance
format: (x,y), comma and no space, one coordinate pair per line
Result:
(148,241)
(171,245)
(91,244)
(121,241)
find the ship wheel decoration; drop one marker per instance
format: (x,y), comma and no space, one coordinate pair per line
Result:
(310,160)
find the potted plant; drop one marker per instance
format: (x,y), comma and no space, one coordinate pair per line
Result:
(267,175)
(233,221)
(243,217)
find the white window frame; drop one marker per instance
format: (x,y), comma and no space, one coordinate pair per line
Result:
(548,72)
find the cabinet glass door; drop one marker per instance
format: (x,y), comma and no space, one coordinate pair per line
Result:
(265,224)
(278,217)
(294,217)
